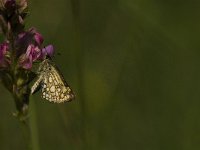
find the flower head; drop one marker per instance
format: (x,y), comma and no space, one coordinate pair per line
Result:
(18,54)
(30,48)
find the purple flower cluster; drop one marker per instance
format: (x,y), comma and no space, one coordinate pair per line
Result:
(18,52)
(30,48)
(27,47)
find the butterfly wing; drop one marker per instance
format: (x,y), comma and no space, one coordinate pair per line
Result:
(54,87)
(37,85)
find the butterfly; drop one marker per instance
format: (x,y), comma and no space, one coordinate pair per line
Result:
(51,81)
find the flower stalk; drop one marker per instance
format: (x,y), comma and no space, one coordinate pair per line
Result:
(19,51)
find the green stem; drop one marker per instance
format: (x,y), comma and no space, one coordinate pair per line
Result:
(33,126)
(24,126)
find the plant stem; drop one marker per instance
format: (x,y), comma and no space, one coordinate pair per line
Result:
(24,126)
(33,126)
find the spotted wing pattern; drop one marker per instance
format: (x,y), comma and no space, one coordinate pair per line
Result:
(54,87)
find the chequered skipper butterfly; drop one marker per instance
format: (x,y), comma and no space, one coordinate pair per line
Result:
(54,87)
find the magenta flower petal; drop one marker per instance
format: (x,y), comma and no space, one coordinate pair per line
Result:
(1,55)
(27,63)
(49,50)
(4,60)
(32,54)
(33,51)
(38,38)
(23,40)
(3,50)
(27,38)
(4,47)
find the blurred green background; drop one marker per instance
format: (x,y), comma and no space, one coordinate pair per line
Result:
(134,66)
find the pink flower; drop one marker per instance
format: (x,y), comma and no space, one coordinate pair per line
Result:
(32,54)
(27,38)
(29,48)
